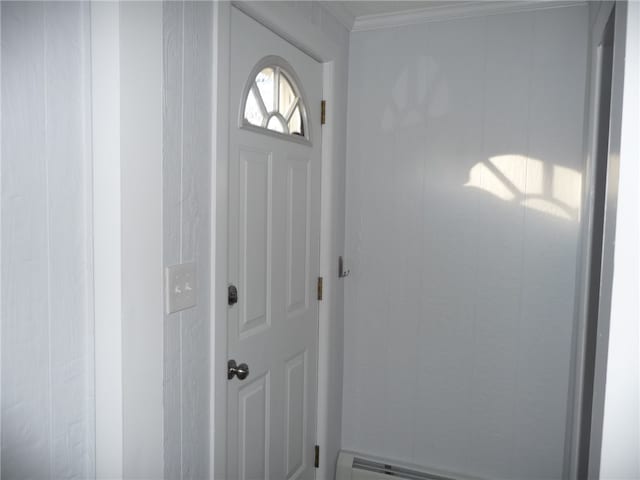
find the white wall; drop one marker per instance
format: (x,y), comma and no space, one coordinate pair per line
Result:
(186,175)
(621,424)
(150,108)
(463,189)
(46,295)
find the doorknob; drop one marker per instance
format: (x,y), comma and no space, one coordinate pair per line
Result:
(241,371)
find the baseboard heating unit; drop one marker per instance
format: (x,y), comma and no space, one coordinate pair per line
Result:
(353,466)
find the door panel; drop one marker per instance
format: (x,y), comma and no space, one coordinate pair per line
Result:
(297,236)
(253,409)
(274,218)
(255,241)
(295,391)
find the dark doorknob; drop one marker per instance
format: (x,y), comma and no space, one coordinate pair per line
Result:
(233,369)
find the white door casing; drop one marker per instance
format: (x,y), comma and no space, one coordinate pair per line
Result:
(273,255)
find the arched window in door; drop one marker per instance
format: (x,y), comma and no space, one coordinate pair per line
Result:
(273,101)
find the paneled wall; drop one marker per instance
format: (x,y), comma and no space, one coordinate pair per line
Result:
(47,343)
(46,287)
(187,161)
(464,174)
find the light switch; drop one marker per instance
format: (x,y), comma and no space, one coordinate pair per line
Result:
(180,287)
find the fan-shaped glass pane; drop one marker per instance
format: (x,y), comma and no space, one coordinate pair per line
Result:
(265,82)
(295,123)
(252,111)
(287,95)
(274,103)
(275,124)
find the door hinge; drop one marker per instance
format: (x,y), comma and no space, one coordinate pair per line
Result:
(316,462)
(323,112)
(319,288)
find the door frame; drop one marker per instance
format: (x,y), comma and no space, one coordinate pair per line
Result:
(580,440)
(329,55)
(609,234)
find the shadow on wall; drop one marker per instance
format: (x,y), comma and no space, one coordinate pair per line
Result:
(421,93)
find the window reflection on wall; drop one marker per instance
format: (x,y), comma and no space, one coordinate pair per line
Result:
(551,189)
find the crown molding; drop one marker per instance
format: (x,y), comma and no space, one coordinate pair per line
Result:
(450,12)
(341,13)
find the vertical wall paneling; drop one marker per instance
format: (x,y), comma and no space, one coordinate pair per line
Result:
(187,73)
(498,247)
(195,234)
(47,350)
(69,209)
(172,174)
(556,138)
(1,202)
(24,398)
(1,310)
(88,391)
(464,201)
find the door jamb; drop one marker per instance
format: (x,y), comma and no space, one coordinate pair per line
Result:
(574,431)
(592,113)
(608,242)
(218,222)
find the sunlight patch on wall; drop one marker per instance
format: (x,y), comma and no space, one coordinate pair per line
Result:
(551,189)
(567,186)
(485,177)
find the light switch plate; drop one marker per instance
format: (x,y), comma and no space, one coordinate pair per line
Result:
(180,287)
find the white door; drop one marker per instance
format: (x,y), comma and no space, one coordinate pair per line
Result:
(274,217)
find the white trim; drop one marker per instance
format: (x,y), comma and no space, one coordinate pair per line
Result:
(107,221)
(326,233)
(454,11)
(621,422)
(218,222)
(574,426)
(341,13)
(141,67)
(608,241)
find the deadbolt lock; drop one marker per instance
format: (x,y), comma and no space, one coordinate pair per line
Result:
(232,295)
